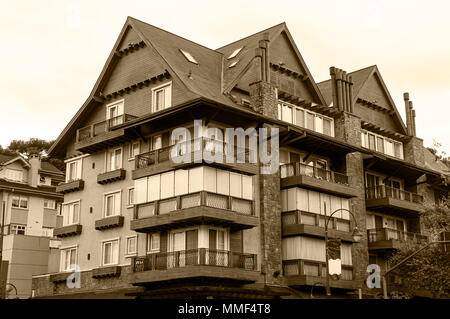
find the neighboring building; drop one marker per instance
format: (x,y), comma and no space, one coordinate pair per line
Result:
(30,206)
(138,224)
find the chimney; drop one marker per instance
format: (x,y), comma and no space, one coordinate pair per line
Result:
(342,89)
(407,114)
(35,163)
(413,121)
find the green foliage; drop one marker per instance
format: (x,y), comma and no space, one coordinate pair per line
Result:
(24,147)
(428,270)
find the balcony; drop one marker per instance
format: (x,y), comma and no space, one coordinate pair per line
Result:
(103,134)
(106,272)
(196,208)
(109,222)
(299,174)
(299,272)
(387,238)
(304,223)
(393,200)
(70,186)
(65,231)
(160,160)
(112,176)
(195,263)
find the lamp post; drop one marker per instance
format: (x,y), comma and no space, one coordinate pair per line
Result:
(356,237)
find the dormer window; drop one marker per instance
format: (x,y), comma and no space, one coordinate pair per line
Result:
(189,57)
(114,113)
(235,53)
(162,97)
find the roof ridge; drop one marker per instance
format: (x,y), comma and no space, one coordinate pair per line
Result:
(277,25)
(348,73)
(178,36)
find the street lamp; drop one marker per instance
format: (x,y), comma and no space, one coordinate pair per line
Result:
(356,234)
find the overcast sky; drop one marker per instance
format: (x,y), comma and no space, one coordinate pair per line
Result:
(53,51)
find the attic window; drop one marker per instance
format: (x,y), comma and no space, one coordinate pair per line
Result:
(233,63)
(235,52)
(188,56)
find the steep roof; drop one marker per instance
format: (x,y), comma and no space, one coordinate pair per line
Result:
(5,158)
(432,162)
(210,78)
(360,78)
(49,167)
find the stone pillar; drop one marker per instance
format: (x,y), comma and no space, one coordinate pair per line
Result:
(413,151)
(348,129)
(264,101)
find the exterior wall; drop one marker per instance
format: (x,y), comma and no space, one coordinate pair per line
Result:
(17,165)
(27,256)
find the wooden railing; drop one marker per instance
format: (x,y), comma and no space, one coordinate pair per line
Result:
(298,217)
(164,154)
(380,234)
(297,169)
(202,198)
(194,257)
(102,127)
(382,191)
(303,267)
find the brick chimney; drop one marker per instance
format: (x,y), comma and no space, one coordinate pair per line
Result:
(410,115)
(413,149)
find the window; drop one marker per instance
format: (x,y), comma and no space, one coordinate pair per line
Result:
(162,97)
(14,175)
(134,150)
(235,53)
(18,229)
(71,212)
(131,245)
(398,150)
(156,142)
(310,120)
(73,169)
(382,144)
(20,201)
(114,159)
(49,203)
(111,204)
(189,57)
(153,242)
(68,258)
(114,113)
(327,126)
(130,197)
(232,64)
(110,252)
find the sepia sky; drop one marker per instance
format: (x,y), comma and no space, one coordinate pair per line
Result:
(53,51)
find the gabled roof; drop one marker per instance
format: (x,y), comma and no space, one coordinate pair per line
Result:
(210,78)
(5,158)
(8,159)
(49,167)
(360,78)
(432,162)
(247,54)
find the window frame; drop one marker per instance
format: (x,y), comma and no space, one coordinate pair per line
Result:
(167,89)
(46,200)
(71,203)
(131,155)
(16,229)
(127,252)
(63,259)
(79,166)
(108,158)
(130,199)
(20,198)
(113,195)
(14,171)
(365,142)
(110,241)
(149,243)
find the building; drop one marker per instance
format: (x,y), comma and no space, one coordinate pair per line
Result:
(29,206)
(139,224)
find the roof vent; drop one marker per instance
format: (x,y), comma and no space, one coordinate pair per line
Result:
(233,63)
(189,57)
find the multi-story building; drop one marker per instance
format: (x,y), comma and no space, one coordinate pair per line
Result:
(29,206)
(138,223)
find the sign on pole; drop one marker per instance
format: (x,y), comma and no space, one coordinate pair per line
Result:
(334,258)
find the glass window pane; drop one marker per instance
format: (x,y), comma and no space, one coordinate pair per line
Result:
(372,142)
(327,127)
(310,118)
(287,113)
(380,144)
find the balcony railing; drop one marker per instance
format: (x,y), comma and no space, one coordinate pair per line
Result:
(196,145)
(194,257)
(297,169)
(102,127)
(383,191)
(381,234)
(298,217)
(301,267)
(203,198)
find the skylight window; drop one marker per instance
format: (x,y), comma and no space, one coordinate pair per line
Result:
(189,57)
(235,53)
(233,63)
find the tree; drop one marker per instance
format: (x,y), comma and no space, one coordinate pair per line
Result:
(440,154)
(429,270)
